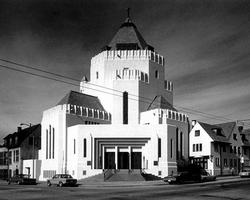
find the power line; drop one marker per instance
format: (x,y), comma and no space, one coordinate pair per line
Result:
(188,110)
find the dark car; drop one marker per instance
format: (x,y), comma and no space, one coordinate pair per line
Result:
(61,180)
(245,172)
(191,174)
(22,179)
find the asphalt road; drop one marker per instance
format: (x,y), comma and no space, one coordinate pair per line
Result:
(118,191)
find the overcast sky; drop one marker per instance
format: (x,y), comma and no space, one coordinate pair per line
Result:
(206,45)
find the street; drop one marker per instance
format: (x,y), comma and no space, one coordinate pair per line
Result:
(156,190)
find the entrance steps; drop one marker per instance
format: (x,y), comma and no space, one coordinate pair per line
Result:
(126,175)
(92,179)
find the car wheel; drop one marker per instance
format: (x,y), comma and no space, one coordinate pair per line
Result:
(60,184)
(49,183)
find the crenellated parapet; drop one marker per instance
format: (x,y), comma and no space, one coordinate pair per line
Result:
(161,116)
(86,112)
(129,55)
(131,74)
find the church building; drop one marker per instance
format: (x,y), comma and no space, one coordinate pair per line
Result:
(122,118)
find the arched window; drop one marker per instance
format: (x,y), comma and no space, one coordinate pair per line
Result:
(157,74)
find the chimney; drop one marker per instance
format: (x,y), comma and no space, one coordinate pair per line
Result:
(19,128)
(193,123)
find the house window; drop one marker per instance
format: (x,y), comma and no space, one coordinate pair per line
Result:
(231,149)
(197,147)
(235,150)
(193,147)
(157,74)
(17,155)
(235,136)
(216,147)
(16,140)
(84,147)
(217,162)
(53,143)
(47,143)
(159,147)
(30,140)
(97,75)
(200,147)
(235,162)
(245,151)
(10,158)
(225,162)
(231,163)
(197,133)
(239,150)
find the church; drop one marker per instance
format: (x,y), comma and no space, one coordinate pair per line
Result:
(122,118)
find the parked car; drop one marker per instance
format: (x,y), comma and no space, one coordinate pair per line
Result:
(61,180)
(192,173)
(22,179)
(245,172)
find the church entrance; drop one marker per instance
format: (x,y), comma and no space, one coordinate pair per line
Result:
(123,160)
(109,162)
(136,160)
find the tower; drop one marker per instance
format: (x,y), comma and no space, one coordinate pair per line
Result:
(129,65)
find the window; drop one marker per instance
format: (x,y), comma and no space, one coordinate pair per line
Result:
(74,146)
(231,149)
(10,158)
(49,141)
(239,150)
(171,148)
(235,162)
(159,147)
(17,155)
(193,147)
(16,140)
(46,143)
(216,147)
(235,150)
(197,133)
(217,162)
(225,162)
(235,136)
(245,151)
(125,107)
(53,143)
(231,163)
(157,74)
(197,147)
(97,75)
(200,147)
(84,147)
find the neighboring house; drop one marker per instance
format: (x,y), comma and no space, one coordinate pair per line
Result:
(123,118)
(219,148)
(22,145)
(3,162)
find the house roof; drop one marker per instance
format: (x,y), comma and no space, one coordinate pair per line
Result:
(22,135)
(128,34)
(160,102)
(80,99)
(227,128)
(216,137)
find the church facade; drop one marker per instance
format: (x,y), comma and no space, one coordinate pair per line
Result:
(122,118)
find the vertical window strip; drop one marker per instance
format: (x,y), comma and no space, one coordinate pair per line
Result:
(74,146)
(49,141)
(171,148)
(46,143)
(53,143)
(159,147)
(181,144)
(84,147)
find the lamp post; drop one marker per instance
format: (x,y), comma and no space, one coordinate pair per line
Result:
(33,147)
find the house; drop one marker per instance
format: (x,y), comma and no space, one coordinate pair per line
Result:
(22,145)
(122,118)
(219,148)
(3,162)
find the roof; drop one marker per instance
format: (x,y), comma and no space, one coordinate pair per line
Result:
(216,137)
(22,135)
(129,37)
(80,99)
(160,102)
(227,128)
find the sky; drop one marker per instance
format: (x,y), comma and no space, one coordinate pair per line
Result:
(206,45)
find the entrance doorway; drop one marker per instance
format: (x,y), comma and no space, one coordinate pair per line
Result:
(136,160)
(109,162)
(123,160)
